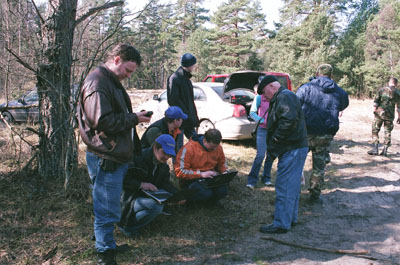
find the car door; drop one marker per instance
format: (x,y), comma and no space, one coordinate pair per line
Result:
(32,98)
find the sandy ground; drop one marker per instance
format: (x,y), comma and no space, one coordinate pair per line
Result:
(359,209)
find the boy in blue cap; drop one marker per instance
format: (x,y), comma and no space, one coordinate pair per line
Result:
(170,124)
(150,172)
(180,93)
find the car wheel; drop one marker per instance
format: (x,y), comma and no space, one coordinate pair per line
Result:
(7,116)
(204,126)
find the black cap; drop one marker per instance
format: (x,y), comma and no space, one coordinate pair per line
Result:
(188,60)
(268,79)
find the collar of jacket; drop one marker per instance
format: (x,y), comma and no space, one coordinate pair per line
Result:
(112,76)
(200,139)
(277,93)
(184,72)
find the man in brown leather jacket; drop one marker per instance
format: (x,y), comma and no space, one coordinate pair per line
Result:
(107,127)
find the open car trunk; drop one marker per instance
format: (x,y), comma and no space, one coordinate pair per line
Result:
(239,88)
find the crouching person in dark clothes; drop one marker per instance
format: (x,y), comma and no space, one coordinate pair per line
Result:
(150,172)
(286,140)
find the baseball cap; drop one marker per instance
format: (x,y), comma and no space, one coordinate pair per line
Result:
(175,112)
(325,69)
(167,143)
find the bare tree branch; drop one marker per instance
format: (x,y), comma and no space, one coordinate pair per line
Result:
(37,12)
(97,9)
(22,62)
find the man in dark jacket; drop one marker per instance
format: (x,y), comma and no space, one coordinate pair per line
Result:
(150,172)
(107,127)
(180,93)
(170,124)
(322,100)
(287,141)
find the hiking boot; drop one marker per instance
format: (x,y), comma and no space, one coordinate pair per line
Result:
(271,229)
(107,257)
(250,186)
(384,151)
(374,151)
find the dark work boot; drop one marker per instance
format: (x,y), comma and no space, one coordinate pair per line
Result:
(374,151)
(107,257)
(384,151)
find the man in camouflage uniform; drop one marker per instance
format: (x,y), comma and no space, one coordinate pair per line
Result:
(384,105)
(322,100)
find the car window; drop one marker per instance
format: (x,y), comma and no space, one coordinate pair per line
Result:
(32,96)
(219,79)
(219,90)
(199,94)
(163,96)
(208,79)
(282,80)
(239,96)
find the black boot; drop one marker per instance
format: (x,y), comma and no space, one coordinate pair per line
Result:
(374,150)
(107,257)
(384,151)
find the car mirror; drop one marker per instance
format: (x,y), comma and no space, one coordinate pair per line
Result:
(155,97)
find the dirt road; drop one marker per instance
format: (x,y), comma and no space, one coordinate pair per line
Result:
(360,207)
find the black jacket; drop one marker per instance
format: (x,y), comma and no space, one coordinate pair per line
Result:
(180,93)
(286,126)
(145,169)
(160,124)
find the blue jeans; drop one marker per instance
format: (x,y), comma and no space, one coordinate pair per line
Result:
(287,187)
(261,152)
(107,187)
(188,132)
(145,209)
(207,195)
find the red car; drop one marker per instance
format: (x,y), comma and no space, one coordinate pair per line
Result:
(283,78)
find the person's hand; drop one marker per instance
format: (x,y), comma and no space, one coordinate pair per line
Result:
(208,174)
(398,120)
(141,116)
(148,186)
(182,202)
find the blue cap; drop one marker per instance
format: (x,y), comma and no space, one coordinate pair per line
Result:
(167,143)
(188,60)
(175,112)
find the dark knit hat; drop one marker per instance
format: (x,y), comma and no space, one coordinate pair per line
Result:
(268,79)
(188,60)
(325,69)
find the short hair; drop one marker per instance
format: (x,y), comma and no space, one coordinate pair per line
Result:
(126,52)
(213,136)
(157,145)
(394,80)
(325,70)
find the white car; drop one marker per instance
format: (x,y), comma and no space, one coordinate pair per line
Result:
(217,107)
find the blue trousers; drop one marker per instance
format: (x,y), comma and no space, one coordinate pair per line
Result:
(287,187)
(146,210)
(261,153)
(207,195)
(107,188)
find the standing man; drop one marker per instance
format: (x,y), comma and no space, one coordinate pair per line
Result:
(287,141)
(321,101)
(384,110)
(107,127)
(180,93)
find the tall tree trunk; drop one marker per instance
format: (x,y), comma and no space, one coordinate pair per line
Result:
(53,82)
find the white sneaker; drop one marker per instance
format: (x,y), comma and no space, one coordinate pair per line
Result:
(268,183)
(250,187)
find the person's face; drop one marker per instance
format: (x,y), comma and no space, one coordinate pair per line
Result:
(210,146)
(178,123)
(160,155)
(190,69)
(392,84)
(123,69)
(269,91)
